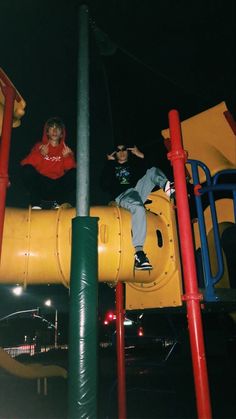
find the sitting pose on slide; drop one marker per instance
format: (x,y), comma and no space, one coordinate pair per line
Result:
(48,171)
(128,179)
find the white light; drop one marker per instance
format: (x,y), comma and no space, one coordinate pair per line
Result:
(128,322)
(17,290)
(48,303)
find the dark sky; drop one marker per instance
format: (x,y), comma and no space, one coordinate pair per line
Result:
(156,56)
(146,58)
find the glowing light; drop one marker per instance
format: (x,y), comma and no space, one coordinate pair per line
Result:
(128,322)
(140,331)
(17,290)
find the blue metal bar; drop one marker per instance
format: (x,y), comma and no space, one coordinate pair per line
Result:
(211,187)
(209,288)
(223,173)
(233,185)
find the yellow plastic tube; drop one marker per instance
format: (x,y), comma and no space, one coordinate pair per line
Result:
(37,245)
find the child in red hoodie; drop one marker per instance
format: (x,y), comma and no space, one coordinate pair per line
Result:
(49,169)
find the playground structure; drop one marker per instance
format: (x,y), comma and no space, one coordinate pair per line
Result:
(37,244)
(30,371)
(40,243)
(209,139)
(19,103)
(39,259)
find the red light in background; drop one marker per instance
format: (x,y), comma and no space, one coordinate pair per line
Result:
(109,317)
(140,331)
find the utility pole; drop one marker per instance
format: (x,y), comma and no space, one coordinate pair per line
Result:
(55,330)
(82,386)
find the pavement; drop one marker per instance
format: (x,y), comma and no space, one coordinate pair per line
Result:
(159,385)
(19,398)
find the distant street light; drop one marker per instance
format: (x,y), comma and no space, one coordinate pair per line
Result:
(17,290)
(48,303)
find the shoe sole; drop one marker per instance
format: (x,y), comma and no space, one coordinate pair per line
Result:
(144,268)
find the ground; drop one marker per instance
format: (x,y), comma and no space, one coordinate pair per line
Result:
(159,382)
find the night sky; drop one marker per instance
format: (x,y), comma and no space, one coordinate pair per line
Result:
(146,58)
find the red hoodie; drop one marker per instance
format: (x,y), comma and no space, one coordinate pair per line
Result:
(53,165)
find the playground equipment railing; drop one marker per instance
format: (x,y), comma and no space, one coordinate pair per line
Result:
(210,187)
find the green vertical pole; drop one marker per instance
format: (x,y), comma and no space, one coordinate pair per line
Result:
(83,320)
(82,385)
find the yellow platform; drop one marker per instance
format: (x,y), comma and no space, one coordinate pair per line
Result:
(210,138)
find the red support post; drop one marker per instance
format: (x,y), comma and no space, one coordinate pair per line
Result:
(10,94)
(120,348)
(178,157)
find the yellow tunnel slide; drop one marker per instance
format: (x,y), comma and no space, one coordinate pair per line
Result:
(37,249)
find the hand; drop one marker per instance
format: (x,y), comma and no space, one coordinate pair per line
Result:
(43,149)
(66,151)
(134,150)
(111,156)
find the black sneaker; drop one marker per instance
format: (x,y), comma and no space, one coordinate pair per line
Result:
(141,261)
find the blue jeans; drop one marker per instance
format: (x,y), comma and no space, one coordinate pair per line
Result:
(133,200)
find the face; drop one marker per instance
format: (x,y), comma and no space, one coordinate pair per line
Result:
(54,133)
(121,153)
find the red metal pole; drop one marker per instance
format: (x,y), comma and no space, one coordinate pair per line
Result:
(192,297)
(120,348)
(10,94)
